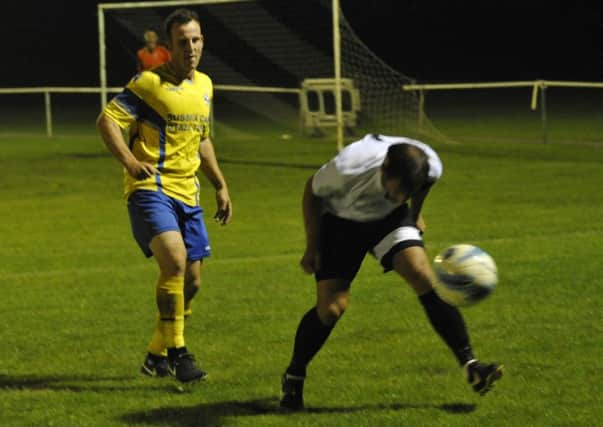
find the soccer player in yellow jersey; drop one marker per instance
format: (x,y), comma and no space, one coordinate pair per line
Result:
(167,111)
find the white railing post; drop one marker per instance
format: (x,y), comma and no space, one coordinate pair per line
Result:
(543,116)
(48,113)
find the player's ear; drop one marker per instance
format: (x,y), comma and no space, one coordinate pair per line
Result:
(384,164)
(168,39)
(384,167)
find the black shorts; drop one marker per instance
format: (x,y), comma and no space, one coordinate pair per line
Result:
(344,243)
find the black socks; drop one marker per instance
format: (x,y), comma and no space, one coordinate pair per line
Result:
(449,324)
(310,337)
(445,319)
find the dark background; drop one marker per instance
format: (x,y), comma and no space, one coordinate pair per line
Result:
(55,42)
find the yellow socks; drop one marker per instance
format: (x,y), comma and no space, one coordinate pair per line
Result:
(157,344)
(168,298)
(170,301)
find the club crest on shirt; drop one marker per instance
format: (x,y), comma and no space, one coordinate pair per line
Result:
(206,98)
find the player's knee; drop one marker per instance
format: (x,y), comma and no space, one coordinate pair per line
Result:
(170,253)
(419,280)
(172,270)
(192,283)
(330,313)
(191,286)
(174,265)
(416,275)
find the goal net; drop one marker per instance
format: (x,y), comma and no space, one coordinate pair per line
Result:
(260,53)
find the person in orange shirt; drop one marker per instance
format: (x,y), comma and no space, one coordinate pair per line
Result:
(152,54)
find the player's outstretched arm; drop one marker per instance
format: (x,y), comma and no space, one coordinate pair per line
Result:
(311,211)
(212,171)
(114,140)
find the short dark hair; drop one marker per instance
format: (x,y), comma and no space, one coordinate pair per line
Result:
(408,164)
(179,17)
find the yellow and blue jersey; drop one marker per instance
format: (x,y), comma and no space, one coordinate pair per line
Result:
(170,119)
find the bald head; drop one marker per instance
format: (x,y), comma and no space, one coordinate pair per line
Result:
(150,39)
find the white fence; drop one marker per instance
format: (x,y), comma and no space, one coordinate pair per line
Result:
(48,91)
(538,86)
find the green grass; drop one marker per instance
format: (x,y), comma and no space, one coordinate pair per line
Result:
(78,309)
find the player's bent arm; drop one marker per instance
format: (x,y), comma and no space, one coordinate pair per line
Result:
(212,171)
(416,204)
(209,165)
(311,209)
(114,140)
(311,205)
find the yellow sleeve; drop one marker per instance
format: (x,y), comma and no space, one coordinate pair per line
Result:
(209,94)
(125,108)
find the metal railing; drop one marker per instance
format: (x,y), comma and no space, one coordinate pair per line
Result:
(538,87)
(48,91)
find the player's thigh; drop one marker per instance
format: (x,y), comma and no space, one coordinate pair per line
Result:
(343,245)
(332,298)
(151,213)
(413,265)
(170,252)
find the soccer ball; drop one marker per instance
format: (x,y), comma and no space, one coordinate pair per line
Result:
(466,274)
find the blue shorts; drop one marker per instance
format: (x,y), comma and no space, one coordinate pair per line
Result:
(152,213)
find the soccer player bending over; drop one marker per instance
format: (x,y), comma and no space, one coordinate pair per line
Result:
(368,199)
(167,109)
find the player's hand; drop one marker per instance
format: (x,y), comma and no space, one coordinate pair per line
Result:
(421,224)
(310,262)
(224,211)
(142,170)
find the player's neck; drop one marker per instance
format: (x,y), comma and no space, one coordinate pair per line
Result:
(181,74)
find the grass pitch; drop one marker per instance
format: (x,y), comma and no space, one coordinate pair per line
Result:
(78,309)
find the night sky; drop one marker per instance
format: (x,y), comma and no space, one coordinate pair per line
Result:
(55,42)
